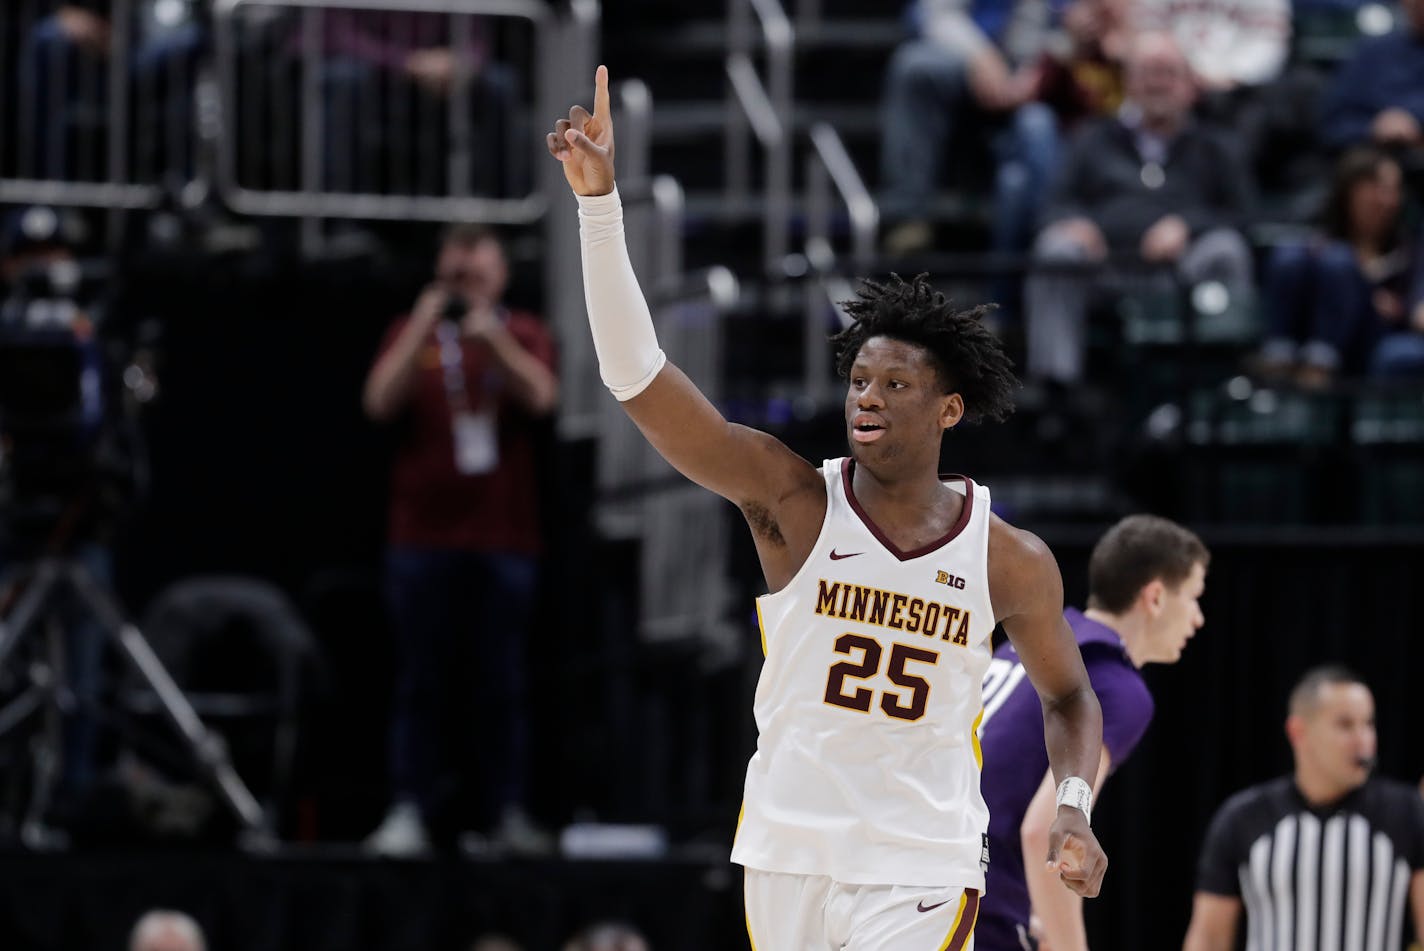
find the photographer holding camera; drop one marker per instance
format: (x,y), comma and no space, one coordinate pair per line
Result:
(466,379)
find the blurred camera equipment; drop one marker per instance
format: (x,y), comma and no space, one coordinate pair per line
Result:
(66,469)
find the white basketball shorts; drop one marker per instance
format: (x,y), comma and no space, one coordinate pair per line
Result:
(814,913)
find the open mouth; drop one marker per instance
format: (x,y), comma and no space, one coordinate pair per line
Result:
(866,432)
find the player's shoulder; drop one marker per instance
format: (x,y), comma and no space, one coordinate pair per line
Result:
(1023,574)
(1016,546)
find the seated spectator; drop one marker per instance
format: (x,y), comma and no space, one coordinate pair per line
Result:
(64,68)
(1333,301)
(160,930)
(373,63)
(1149,186)
(1378,96)
(1081,78)
(969,76)
(1230,44)
(1239,52)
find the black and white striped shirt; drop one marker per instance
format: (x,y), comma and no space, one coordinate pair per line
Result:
(1332,879)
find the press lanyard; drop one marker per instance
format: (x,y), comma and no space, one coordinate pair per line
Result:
(473,432)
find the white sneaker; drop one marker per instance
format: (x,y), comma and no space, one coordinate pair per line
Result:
(401,834)
(518,835)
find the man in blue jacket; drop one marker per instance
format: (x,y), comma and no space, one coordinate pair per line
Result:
(1379,95)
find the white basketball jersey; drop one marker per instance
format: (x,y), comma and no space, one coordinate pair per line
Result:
(867,764)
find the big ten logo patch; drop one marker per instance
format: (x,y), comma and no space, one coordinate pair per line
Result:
(954,581)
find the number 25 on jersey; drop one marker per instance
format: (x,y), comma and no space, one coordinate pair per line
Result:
(909,705)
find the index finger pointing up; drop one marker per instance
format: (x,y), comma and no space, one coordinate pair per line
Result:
(601,107)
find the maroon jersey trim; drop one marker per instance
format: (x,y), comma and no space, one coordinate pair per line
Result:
(848,470)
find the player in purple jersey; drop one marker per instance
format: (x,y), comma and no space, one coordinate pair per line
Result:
(1145,577)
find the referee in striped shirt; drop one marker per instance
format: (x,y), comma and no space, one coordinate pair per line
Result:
(1323,860)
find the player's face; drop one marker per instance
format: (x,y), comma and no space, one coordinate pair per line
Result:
(896,407)
(1179,618)
(1337,739)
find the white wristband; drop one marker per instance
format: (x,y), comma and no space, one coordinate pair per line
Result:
(1076,792)
(628,353)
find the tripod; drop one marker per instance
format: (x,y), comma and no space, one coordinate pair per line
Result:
(45,581)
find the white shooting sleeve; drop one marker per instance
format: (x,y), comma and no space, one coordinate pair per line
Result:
(629,357)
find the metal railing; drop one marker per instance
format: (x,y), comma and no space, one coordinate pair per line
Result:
(101,111)
(569,79)
(828,167)
(154,102)
(808,16)
(765,110)
(313,144)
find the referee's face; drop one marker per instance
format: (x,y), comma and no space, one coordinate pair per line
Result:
(1335,741)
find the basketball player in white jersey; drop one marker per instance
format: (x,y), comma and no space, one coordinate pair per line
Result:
(862,826)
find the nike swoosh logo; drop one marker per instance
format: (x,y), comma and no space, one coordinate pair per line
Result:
(836,557)
(923,907)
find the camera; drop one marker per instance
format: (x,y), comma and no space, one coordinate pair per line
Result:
(455,309)
(60,461)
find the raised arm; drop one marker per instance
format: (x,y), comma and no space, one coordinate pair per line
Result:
(1027,592)
(750,468)
(388,384)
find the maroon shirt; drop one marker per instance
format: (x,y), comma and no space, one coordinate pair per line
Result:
(434,506)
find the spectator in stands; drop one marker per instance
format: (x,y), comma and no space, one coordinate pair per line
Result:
(1230,44)
(971,75)
(64,69)
(373,62)
(1239,52)
(608,936)
(161,930)
(467,378)
(1150,185)
(1378,96)
(1081,78)
(1335,303)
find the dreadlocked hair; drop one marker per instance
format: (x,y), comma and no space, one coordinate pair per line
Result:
(968,358)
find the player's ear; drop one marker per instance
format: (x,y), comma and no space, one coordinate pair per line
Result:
(1152,595)
(952,411)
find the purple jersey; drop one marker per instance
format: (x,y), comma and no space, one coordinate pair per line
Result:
(1015,761)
